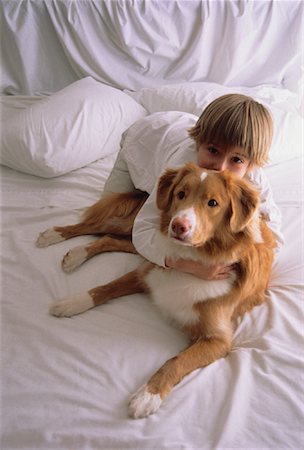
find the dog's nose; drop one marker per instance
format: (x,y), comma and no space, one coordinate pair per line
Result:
(180,226)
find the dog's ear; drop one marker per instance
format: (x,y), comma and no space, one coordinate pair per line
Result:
(244,203)
(164,190)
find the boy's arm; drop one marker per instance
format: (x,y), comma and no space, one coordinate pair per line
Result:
(146,226)
(145,231)
(268,208)
(119,179)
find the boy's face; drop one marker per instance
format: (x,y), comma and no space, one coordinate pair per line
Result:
(214,157)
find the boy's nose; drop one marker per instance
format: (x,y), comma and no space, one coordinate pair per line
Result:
(220,165)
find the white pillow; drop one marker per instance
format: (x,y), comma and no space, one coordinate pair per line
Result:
(68,130)
(194,97)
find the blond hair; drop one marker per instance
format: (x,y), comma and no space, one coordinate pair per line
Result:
(235,120)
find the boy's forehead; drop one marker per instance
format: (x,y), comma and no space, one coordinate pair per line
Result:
(240,151)
(232,149)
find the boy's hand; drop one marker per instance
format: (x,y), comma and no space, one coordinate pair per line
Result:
(216,272)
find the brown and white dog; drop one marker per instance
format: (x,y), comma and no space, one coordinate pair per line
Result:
(204,215)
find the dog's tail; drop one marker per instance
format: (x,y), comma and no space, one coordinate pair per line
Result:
(115,212)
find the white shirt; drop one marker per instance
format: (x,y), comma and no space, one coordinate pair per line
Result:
(151,145)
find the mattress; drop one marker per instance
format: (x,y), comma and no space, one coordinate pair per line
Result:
(76,75)
(66,382)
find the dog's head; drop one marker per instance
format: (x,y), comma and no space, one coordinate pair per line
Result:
(198,205)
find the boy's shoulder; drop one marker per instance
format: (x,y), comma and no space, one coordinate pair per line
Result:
(257,176)
(157,137)
(161,126)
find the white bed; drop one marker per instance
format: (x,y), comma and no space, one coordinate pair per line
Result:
(65,382)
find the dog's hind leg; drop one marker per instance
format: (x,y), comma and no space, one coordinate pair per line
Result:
(78,255)
(129,283)
(112,214)
(58,234)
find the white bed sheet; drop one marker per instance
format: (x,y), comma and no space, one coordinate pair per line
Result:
(65,382)
(134,44)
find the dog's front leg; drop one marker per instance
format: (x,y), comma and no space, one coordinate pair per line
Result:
(149,397)
(125,285)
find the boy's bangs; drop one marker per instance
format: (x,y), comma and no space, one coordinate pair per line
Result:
(228,134)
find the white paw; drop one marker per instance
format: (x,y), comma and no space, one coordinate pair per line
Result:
(71,305)
(49,237)
(74,258)
(142,403)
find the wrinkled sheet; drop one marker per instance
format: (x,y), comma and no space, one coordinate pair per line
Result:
(65,382)
(134,44)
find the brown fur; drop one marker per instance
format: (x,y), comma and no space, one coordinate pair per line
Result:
(112,217)
(224,234)
(113,214)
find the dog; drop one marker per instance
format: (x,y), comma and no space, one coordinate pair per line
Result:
(206,216)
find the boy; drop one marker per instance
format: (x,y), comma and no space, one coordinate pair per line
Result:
(233,133)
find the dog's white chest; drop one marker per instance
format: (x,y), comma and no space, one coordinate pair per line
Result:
(175,293)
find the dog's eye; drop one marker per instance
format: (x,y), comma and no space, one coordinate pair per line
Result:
(212,203)
(181,194)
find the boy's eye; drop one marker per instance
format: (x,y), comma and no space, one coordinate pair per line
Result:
(212,150)
(237,160)
(181,194)
(212,203)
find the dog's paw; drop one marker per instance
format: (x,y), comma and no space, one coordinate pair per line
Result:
(49,237)
(142,403)
(70,306)
(74,258)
